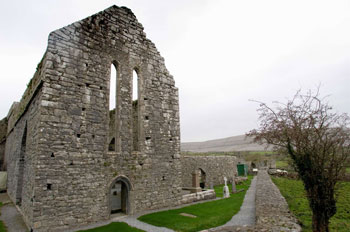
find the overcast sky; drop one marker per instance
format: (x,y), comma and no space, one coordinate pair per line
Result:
(221,52)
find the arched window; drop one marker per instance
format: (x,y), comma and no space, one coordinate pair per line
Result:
(111,146)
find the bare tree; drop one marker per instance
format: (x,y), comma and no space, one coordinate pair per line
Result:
(317,140)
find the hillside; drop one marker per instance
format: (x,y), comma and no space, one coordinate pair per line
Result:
(234,143)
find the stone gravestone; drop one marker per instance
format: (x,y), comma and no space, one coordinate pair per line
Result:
(233,185)
(195,183)
(226,191)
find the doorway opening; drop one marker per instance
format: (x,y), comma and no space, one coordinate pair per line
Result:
(119,196)
(202,178)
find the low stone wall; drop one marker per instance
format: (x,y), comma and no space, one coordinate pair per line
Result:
(200,196)
(213,169)
(272,212)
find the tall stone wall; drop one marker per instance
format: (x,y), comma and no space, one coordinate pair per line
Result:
(69,168)
(20,158)
(214,167)
(3,134)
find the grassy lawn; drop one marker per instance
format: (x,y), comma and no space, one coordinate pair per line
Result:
(282,164)
(2,227)
(293,191)
(208,214)
(114,226)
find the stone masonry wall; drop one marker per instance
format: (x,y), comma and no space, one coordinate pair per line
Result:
(20,157)
(215,168)
(3,134)
(70,172)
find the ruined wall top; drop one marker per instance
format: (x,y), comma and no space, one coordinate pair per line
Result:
(102,23)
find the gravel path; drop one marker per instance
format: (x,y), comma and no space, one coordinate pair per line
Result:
(246,215)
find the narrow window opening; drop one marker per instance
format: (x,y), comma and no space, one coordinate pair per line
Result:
(49,186)
(78,135)
(113,87)
(135,86)
(148,138)
(135,109)
(52,154)
(146,118)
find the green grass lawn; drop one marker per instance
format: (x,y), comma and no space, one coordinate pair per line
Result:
(114,226)
(209,214)
(282,164)
(293,191)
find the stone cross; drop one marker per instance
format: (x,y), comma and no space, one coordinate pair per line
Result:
(225,179)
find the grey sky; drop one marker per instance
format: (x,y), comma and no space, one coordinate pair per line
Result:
(220,52)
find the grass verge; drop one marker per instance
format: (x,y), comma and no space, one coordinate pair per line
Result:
(208,215)
(293,191)
(114,226)
(281,164)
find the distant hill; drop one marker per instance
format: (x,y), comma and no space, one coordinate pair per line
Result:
(234,143)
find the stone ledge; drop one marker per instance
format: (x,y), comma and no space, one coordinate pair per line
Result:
(200,196)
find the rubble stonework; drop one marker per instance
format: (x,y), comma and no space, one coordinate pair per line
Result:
(213,169)
(3,133)
(60,172)
(271,210)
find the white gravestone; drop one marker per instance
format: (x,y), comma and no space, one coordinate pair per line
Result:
(226,190)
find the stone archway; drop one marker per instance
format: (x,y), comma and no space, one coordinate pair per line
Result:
(119,195)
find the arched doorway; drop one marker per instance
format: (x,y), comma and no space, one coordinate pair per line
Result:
(202,178)
(119,195)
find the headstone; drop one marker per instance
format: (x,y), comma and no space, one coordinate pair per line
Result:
(226,191)
(233,185)
(195,183)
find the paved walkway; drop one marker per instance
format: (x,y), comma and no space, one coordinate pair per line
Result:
(10,216)
(246,215)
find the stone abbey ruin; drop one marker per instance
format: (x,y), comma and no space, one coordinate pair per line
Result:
(70,160)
